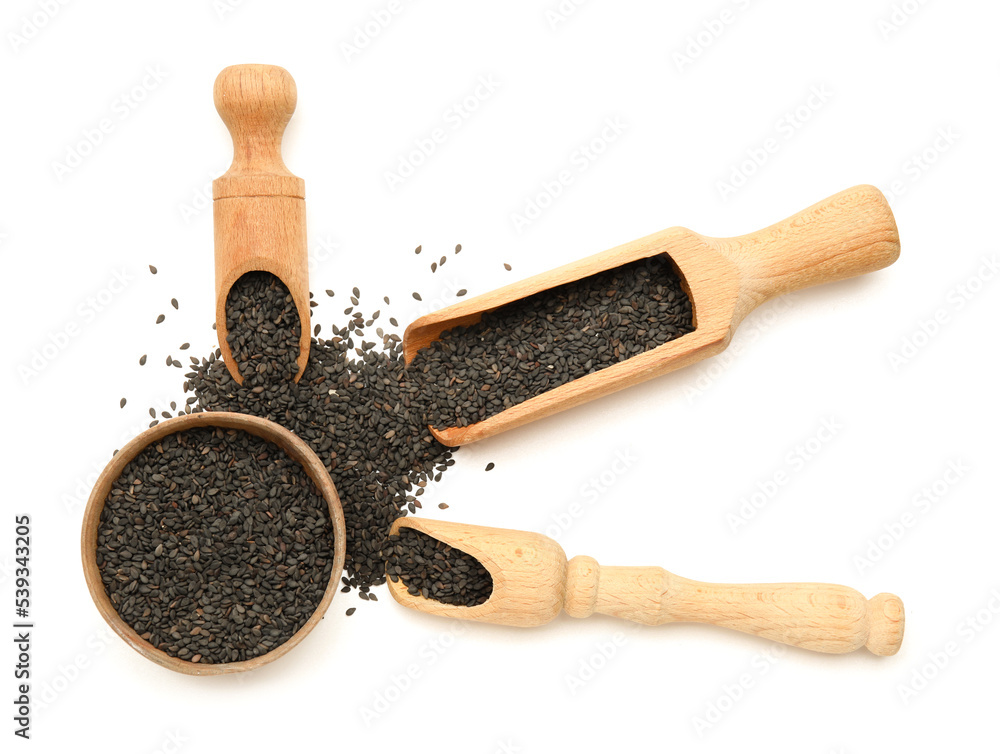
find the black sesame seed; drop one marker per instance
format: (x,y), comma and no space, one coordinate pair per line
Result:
(433,569)
(533,345)
(357,407)
(212,539)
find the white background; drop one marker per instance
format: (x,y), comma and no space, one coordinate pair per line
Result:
(895,76)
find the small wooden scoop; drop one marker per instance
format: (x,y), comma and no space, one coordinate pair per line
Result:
(848,234)
(260,207)
(533,583)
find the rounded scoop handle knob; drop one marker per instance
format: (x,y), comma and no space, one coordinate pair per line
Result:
(256,102)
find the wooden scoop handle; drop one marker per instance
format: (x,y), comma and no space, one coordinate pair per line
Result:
(256,102)
(847,234)
(260,209)
(820,617)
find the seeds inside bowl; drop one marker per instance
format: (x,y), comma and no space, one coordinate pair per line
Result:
(435,570)
(215,546)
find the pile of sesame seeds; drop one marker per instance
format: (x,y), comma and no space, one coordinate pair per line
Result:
(356,408)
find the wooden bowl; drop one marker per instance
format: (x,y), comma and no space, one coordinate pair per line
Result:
(296,449)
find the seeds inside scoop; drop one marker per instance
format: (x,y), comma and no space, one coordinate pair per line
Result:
(430,568)
(531,346)
(264,329)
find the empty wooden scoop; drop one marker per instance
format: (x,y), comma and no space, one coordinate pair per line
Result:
(848,234)
(260,207)
(533,583)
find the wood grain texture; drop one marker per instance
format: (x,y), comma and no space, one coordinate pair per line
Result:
(294,447)
(532,583)
(259,207)
(848,234)
(513,558)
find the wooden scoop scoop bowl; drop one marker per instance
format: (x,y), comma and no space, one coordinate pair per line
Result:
(260,207)
(848,234)
(533,583)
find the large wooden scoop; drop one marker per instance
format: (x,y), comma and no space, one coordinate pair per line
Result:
(533,583)
(848,234)
(260,206)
